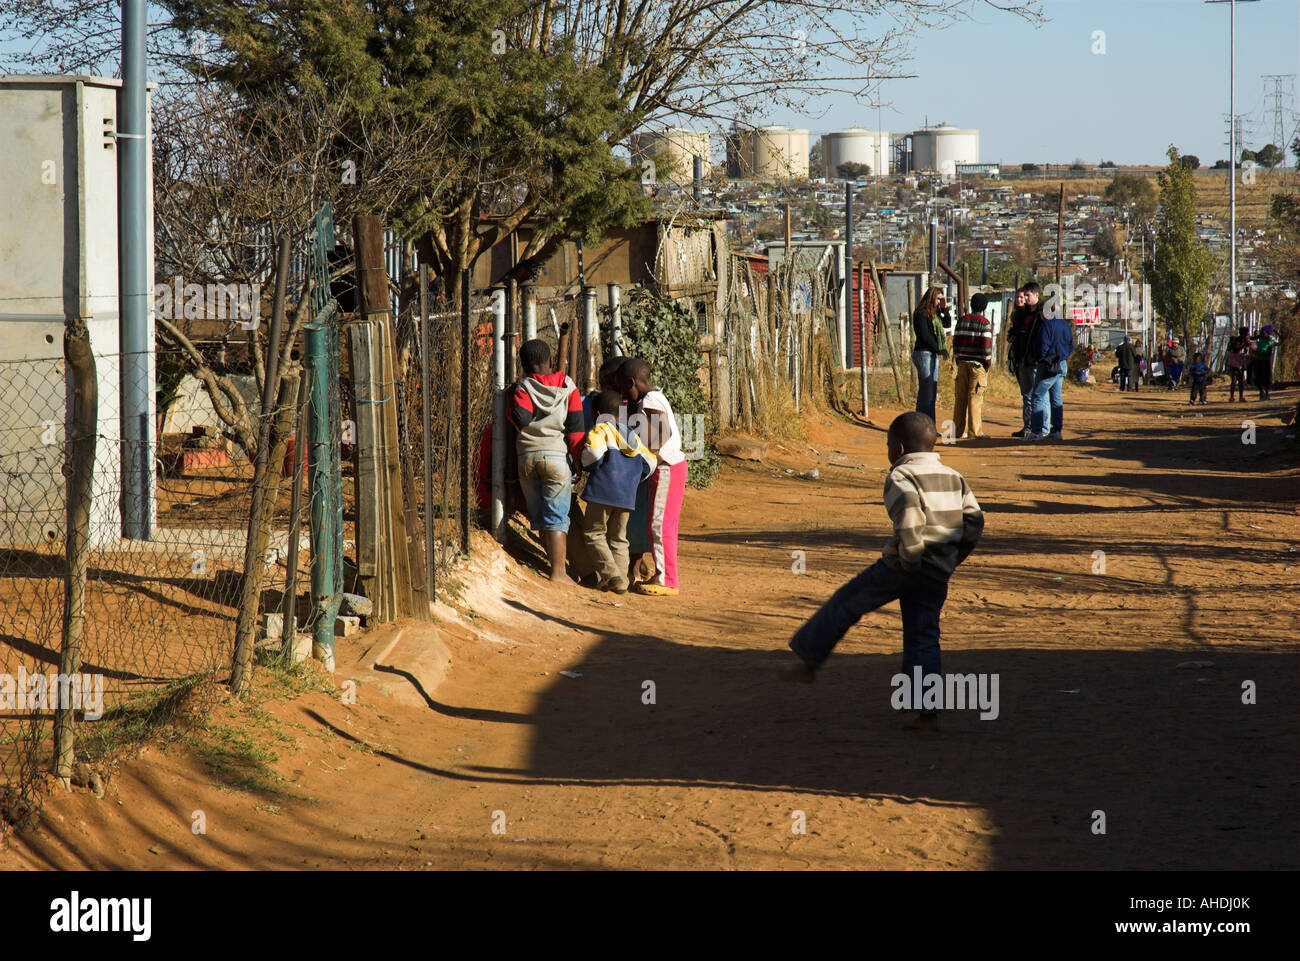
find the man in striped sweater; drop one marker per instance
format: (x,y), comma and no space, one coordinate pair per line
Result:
(937,523)
(972,349)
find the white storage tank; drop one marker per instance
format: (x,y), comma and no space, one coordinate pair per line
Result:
(769,153)
(58,261)
(941,148)
(870,147)
(673,152)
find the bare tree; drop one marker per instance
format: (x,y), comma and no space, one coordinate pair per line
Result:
(233,173)
(721,63)
(545,90)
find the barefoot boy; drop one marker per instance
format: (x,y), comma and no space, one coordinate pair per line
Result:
(937,523)
(547,409)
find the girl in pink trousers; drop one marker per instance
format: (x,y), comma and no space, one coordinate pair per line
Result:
(658,430)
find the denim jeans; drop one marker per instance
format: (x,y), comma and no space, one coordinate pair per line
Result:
(1025,377)
(920,597)
(1048,409)
(927,380)
(547,484)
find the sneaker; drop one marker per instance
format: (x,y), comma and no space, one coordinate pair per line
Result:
(616,584)
(1055,435)
(1019,433)
(1035,437)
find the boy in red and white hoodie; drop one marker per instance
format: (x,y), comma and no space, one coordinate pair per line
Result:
(546,408)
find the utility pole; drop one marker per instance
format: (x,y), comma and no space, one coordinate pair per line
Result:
(1060,226)
(1280,97)
(848,274)
(1232,153)
(136,344)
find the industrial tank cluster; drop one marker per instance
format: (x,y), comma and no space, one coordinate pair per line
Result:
(782,153)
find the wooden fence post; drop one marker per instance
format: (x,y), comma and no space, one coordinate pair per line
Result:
(81,433)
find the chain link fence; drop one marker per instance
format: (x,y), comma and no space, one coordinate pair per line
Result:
(432,412)
(157,615)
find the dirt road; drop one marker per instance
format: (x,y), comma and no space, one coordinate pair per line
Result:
(1099,710)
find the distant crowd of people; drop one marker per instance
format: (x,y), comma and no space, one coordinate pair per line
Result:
(1039,349)
(1248,360)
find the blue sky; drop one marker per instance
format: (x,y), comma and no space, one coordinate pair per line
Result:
(1040,93)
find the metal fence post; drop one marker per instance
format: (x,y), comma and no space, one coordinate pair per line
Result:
(864,299)
(323,469)
(615,321)
(466,452)
(590,339)
(426,404)
(498,413)
(510,346)
(318,471)
(530,313)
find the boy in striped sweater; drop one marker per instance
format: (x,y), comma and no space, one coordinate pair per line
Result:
(937,523)
(972,349)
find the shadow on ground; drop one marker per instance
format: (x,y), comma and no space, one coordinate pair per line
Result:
(1188,776)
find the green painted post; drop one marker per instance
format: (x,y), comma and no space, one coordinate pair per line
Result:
(323,468)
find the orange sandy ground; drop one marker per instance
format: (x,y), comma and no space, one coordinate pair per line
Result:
(1199,534)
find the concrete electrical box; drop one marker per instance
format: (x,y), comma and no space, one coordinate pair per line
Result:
(58,261)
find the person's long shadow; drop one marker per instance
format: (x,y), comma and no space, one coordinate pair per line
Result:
(1186,774)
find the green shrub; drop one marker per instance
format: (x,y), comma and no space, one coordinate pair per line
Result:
(664,335)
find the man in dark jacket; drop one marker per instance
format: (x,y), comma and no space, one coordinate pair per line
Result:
(1050,349)
(1130,370)
(1019,339)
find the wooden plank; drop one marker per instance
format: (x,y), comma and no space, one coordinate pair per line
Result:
(417,584)
(398,538)
(369,527)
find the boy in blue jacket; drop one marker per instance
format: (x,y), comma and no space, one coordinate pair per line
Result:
(615,462)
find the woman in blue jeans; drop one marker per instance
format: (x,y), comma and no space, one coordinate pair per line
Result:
(928,322)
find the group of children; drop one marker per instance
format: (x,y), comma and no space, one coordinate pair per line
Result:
(619,448)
